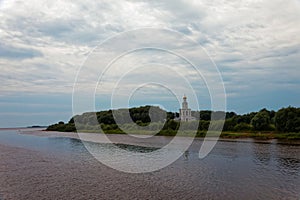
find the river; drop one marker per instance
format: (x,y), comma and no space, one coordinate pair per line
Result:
(53,167)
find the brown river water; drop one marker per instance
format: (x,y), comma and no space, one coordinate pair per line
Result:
(52,167)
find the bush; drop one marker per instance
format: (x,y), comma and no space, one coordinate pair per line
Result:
(242,127)
(261,121)
(288,120)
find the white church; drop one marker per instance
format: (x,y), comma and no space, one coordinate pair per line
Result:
(185,113)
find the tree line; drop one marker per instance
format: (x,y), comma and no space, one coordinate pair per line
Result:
(284,120)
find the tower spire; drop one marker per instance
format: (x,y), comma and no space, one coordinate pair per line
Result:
(185,113)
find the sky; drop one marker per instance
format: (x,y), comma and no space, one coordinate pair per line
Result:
(45,45)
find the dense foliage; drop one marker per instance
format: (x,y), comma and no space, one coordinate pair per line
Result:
(288,119)
(261,121)
(284,120)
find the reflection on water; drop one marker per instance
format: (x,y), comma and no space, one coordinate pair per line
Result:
(291,164)
(186,155)
(262,153)
(135,148)
(288,159)
(233,170)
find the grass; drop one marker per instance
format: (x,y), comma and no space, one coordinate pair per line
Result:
(262,135)
(228,135)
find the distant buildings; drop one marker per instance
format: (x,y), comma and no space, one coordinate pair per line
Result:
(185,113)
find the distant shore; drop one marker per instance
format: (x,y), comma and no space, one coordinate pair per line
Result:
(16,128)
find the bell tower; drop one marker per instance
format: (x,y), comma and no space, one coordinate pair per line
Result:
(185,112)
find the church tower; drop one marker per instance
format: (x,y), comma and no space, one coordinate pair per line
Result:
(185,113)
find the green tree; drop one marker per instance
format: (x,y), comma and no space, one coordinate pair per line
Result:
(171,124)
(261,121)
(229,124)
(288,119)
(205,115)
(203,125)
(242,127)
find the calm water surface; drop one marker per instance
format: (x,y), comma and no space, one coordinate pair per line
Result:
(61,168)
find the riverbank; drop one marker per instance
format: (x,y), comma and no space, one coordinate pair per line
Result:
(158,141)
(262,135)
(201,134)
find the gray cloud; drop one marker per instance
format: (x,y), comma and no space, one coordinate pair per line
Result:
(10,52)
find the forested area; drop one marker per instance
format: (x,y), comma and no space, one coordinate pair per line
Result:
(285,120)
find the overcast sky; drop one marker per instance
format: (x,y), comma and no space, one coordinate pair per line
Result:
(254,43)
